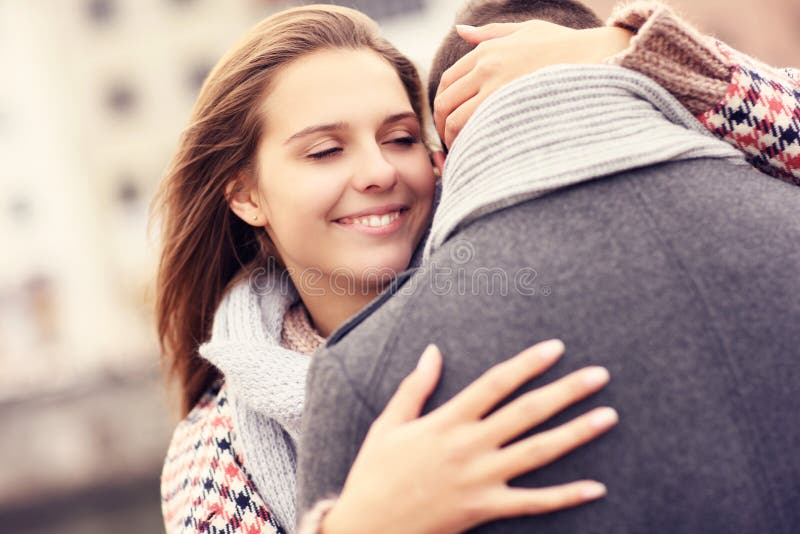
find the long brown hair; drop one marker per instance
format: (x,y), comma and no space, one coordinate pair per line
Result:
(204,244)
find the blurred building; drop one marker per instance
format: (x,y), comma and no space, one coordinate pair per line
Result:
(95,95)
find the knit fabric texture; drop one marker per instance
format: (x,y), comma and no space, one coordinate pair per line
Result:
(265,380)
(625,121)
(298,333)
(206,485)
(744,102)
(673,53)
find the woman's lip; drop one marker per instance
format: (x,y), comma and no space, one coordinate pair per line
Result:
(390,228)
(380,210)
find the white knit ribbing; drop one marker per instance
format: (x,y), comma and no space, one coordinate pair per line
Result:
(561,126)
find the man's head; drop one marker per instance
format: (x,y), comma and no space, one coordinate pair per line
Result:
(568,13)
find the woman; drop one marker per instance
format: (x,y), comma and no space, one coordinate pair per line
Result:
(265,144)
(283,165)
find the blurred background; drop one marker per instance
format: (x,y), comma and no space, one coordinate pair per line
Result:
(94,96)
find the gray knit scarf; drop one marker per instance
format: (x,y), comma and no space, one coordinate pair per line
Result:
(557,127)
(560,126)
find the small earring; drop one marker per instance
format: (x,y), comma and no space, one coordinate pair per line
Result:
(255,217)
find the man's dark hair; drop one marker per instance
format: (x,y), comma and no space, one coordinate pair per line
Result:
(480,12)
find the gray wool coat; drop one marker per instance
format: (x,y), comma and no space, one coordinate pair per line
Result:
(680,277)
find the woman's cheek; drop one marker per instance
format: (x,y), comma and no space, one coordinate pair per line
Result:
(315,194)
(426,184)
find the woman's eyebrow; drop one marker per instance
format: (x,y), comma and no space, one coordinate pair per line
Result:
(316,129)
(396,117)
(400,117)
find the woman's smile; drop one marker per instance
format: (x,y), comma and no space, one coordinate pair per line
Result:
(379,221)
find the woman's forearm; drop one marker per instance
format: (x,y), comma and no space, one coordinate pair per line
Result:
(744,102)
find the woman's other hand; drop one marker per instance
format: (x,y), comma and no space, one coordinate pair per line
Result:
(507,51)
(448,470)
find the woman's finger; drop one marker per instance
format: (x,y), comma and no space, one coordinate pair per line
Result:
(474,35)
(544,447)
(452,98)
(457,119)
(513,502)
(457,70)
(474,401)
(539,405)
(412,393)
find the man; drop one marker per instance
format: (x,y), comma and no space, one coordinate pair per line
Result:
(676,273)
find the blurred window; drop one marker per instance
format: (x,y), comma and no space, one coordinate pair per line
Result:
(128,192)
(20,209)
(121,98)
(100,12)
(197,75)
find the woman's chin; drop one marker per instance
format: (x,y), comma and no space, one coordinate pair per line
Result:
(388,266)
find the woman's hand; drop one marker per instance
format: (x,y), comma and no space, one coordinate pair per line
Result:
(448,470)
(507,51)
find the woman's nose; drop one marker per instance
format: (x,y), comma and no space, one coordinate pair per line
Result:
(376,173)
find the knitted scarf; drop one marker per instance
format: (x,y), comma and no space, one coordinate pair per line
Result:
(265,382)
(557,127)
(560,126)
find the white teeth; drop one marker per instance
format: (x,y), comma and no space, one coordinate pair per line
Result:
(373,221)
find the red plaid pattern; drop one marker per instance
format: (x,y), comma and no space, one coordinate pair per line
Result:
(204,485)
(760,115)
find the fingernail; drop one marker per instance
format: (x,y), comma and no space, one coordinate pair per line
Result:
(596,376)
(604,418)
(594,490)
(426,360)
(550,350)
(463,27)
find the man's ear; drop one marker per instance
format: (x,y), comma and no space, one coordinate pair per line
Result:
(243,200)
(437,157)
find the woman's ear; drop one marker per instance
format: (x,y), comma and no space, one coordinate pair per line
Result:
(244,202)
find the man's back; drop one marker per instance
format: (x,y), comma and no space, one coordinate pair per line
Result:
(682,279)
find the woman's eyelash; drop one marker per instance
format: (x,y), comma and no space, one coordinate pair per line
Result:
(405,141)
(408,140)
(325,153)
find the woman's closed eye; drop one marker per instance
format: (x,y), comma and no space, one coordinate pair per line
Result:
(403,140)
(325,153)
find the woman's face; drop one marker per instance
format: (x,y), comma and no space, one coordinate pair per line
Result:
(345,183)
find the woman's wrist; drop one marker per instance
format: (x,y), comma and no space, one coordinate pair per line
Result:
(674,54)
(316,521)
(614,40)
(332,523)
(335,518)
